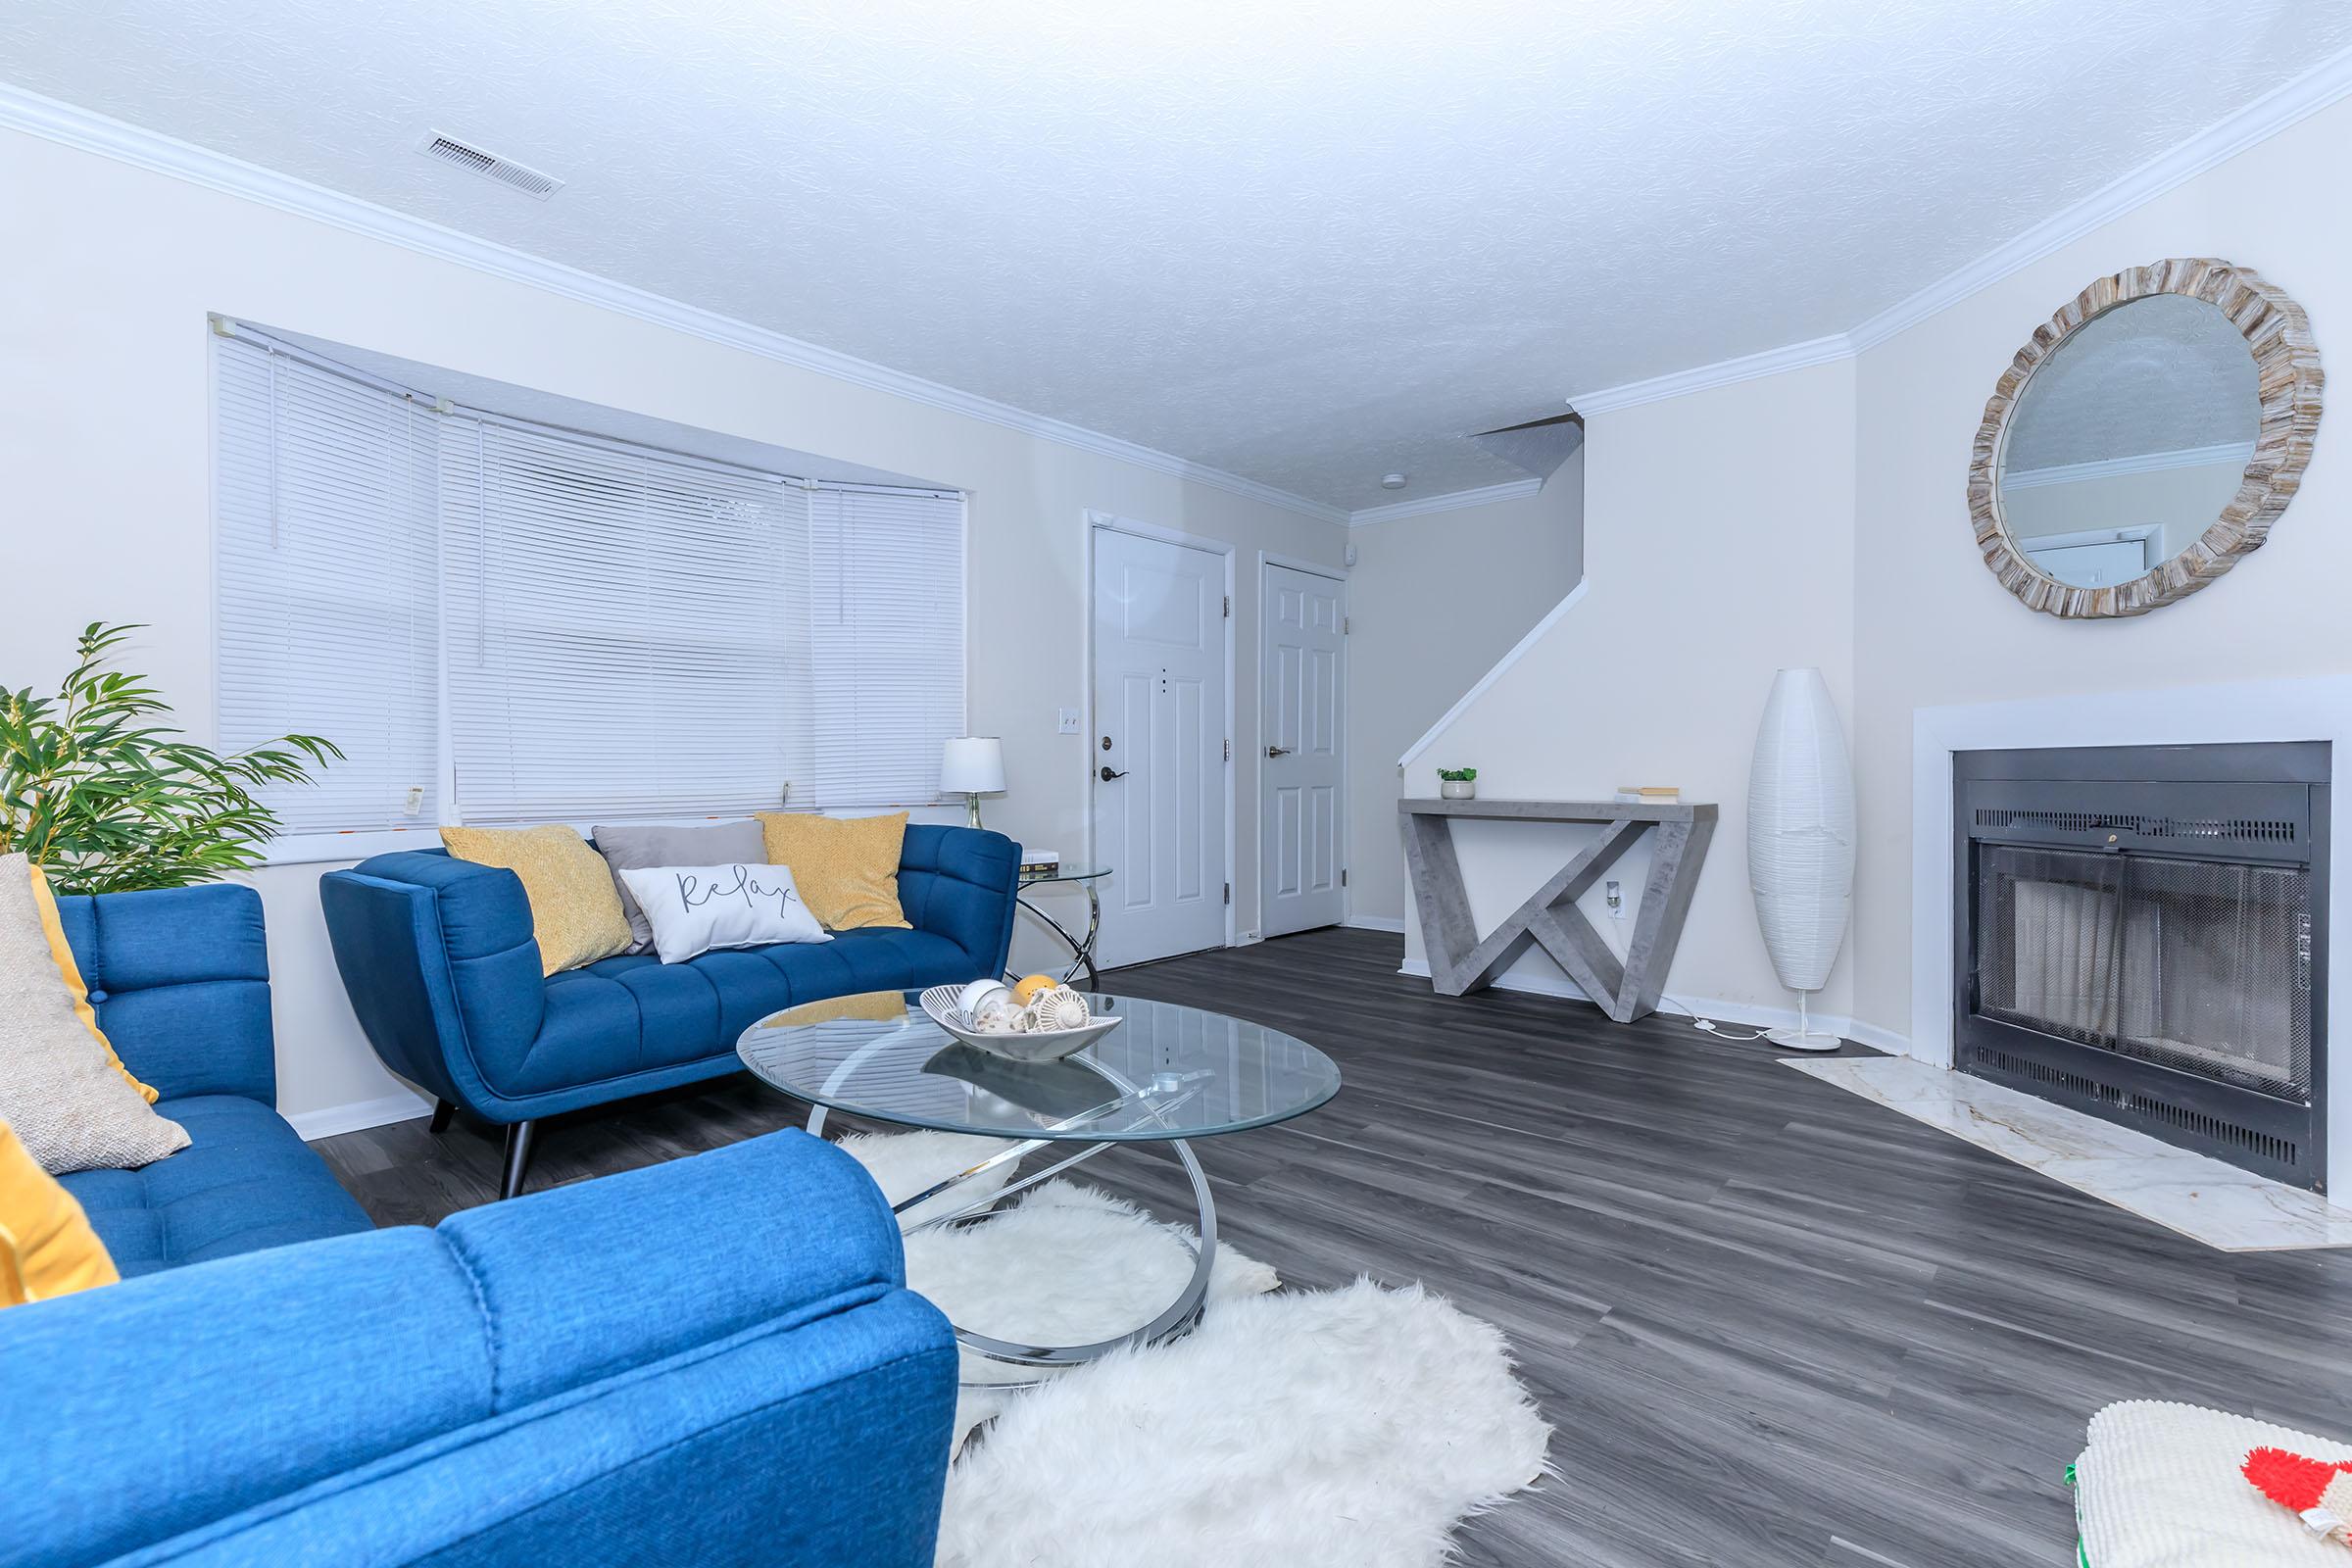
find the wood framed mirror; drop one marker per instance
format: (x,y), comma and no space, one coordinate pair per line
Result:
(2144,439)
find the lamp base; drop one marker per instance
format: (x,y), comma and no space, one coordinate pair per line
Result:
(971,804)
(1802,1040)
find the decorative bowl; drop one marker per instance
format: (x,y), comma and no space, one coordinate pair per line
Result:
(1041,1045)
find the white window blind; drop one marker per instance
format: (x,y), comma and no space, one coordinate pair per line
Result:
(627,633)
(325,591)
(887,630)
(503,623)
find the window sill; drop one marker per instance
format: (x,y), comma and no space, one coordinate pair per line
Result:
(343,849)
(322,848)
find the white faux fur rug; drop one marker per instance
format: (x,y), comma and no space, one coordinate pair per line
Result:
(1334,1428)
(1066,1264)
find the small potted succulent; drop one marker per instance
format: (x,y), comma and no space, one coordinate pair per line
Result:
(1457,783)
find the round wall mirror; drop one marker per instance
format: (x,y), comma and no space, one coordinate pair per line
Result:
(2144,439)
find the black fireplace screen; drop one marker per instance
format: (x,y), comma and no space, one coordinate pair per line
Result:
(2199,966)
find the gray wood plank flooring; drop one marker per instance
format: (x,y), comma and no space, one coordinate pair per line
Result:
(1773,1323)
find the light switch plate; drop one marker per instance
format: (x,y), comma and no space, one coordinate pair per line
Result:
(1066,720)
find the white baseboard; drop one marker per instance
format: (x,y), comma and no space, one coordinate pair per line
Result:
(1374,922)
(1749,1014)
(330,1120)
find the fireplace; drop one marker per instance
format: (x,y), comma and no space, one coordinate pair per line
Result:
(2140,933)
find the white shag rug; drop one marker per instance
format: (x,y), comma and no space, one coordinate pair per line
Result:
(1335,1428)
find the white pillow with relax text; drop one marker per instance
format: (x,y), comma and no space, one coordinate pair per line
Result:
(694,909)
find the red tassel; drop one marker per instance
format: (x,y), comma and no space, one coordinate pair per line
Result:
(2290,1478)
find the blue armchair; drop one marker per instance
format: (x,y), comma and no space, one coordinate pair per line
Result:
(438,957)
(708,1362)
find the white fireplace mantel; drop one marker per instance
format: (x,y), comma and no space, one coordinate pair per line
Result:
(2313,710)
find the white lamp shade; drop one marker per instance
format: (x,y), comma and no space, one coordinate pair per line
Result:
(1800,829)
(972,764)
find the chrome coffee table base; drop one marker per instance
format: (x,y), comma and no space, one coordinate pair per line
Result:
(1174,1320)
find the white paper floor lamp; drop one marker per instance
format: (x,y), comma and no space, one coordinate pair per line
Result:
(1800,842)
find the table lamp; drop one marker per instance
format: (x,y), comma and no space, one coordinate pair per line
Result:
(972,765)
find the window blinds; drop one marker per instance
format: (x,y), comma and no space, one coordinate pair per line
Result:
(627,633)
(324,589)
(571,629)
(887,635)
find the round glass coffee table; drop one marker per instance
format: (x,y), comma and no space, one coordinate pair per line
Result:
(1166,1075)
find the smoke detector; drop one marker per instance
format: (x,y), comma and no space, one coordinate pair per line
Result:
(1392,481)
(489,165)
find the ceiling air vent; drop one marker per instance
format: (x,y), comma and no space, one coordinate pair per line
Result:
(473,160)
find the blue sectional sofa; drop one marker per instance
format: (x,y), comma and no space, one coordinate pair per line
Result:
(438,957)
(709,1362)
(180,982)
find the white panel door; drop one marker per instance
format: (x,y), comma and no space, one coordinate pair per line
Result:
(1303,774)
(1158,754)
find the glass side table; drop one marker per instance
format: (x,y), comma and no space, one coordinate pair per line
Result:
(1082,949)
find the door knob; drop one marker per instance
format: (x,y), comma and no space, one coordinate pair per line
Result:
(1109,774)
(1277,751)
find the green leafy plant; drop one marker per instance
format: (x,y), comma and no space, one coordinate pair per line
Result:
(105,800)
(1457,776)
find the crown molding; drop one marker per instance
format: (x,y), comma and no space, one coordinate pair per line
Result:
(91,132)
(1453,501)
(2232,452)
(2266,117)
(1723,372)
(2276,111)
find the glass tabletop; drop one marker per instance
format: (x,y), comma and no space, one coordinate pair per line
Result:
(1164,1072)
(1068,874)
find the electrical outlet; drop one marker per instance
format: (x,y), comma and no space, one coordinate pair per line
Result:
(1615,894)
(1065,720)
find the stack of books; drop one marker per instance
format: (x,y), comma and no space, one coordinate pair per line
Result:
(1040,862)
(1649,794)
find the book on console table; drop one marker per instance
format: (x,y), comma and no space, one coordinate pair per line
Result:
(1649,794)
(1040,862)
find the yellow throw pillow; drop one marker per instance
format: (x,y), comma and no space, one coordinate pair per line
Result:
(54,928)
(46,1245)
(576,911)
(847,868)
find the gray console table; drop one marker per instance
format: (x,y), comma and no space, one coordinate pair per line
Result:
(1461,960)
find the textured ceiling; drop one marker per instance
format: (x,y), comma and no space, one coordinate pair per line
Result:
(1309,242)
(2164,373)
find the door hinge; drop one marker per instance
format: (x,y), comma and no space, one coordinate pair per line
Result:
(1229,751)
(1229,606)
(1346,624)
(1342,877)
(1228,893)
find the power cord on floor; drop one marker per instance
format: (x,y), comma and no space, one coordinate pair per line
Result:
(1704,1025)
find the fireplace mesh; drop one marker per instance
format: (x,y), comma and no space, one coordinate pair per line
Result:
(2197,966)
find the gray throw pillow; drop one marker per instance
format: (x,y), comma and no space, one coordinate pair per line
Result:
(641,849)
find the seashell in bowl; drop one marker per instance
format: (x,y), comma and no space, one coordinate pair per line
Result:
(1059,1008)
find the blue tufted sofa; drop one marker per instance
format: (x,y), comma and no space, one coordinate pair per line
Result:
(180,982)
(438,957)
(708,1362)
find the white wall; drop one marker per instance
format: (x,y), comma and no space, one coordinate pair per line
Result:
(1931,625)
(104,394)
(1820,516)
(1718,547)
(1435,599)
